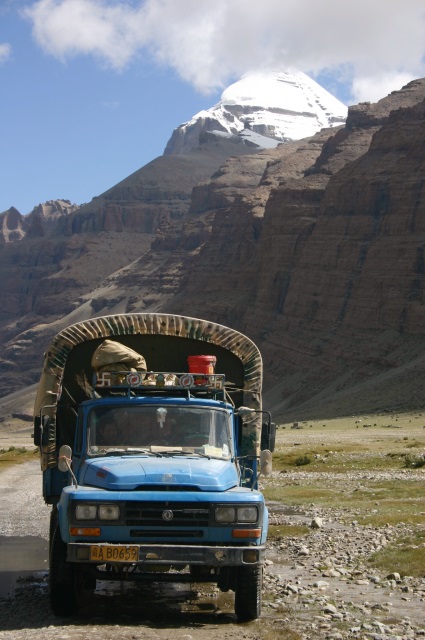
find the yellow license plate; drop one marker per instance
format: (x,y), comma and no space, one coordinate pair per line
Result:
(114,553)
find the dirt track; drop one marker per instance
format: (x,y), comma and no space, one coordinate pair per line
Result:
(318,588)
(143,612)
(344,600)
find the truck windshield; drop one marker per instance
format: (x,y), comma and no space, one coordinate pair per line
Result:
(157,429)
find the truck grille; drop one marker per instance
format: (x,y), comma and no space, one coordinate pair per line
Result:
(171,514)
(167,533)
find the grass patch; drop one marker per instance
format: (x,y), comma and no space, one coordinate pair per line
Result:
(406,556)
(414,444)
(280,531)
(337,460)
(277,632)
(14,455)
(302,494)
(414,462)
(375,503)
(301,461)
(382,519)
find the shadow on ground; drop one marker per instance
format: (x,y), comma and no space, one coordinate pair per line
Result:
(159,605)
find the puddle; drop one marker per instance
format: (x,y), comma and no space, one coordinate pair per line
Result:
(20,557)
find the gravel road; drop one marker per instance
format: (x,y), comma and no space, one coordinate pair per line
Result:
(320,587)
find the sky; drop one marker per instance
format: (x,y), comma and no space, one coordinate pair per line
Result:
(91,90)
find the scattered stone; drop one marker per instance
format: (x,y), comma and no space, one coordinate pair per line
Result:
(323,580)
(329,608)
(334,566)
(321,584)
(394,576)
(292,588)
(303,551)
(316,523)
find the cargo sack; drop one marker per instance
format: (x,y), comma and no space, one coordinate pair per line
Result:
(114,356)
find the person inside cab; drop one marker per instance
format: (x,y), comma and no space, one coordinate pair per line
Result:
(189,431)
(108,432)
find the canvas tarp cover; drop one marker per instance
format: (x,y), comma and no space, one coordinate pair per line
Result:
(165,340)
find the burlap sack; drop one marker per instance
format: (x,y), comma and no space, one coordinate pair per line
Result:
(114,356)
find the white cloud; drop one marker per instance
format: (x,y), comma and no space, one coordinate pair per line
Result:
(374,88)
(381,41)
(66,28)
(5,51)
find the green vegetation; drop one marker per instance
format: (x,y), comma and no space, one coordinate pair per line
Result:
(280,531)
(302,461)
(340,460)
(341,464)
(414,462)
(14,455)
(371,503)
(406,556)
(303,494)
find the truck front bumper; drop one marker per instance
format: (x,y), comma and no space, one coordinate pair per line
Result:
(156,554)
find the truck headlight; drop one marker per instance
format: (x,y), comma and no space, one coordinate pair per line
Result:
(234,514)
(247,514)
(225,514)
(85,512)
(109,512)
(95,512)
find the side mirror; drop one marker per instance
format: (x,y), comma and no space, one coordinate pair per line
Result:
(41,430)
(268,436)
(65,455)
(266,463)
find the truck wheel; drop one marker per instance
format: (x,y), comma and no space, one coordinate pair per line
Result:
(63,598)
(85,579)
(248,593)
(53,525)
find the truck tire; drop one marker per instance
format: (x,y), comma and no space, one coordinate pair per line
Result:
(62,592)
(248,593)
(53,525)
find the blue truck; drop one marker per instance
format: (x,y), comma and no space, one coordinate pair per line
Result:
(152,438)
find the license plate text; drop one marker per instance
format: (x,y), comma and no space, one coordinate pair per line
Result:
(114,553)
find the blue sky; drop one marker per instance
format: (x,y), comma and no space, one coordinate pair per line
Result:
(91,90)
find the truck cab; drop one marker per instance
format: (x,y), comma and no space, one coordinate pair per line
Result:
(153,475)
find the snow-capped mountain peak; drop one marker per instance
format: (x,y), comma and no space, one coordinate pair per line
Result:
(278,106)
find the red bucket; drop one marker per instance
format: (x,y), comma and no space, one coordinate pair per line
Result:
(201,364)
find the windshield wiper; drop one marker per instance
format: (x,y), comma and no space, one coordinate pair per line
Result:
(130,451)
(148,452)
(185,453)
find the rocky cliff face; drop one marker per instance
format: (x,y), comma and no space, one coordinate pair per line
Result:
(63,263)
(329,282)
(40,222)
(315,249)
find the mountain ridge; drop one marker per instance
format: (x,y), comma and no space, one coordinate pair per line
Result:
(291,245)
(280,106)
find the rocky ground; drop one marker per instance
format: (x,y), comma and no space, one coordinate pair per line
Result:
(316,586)
(326,585)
